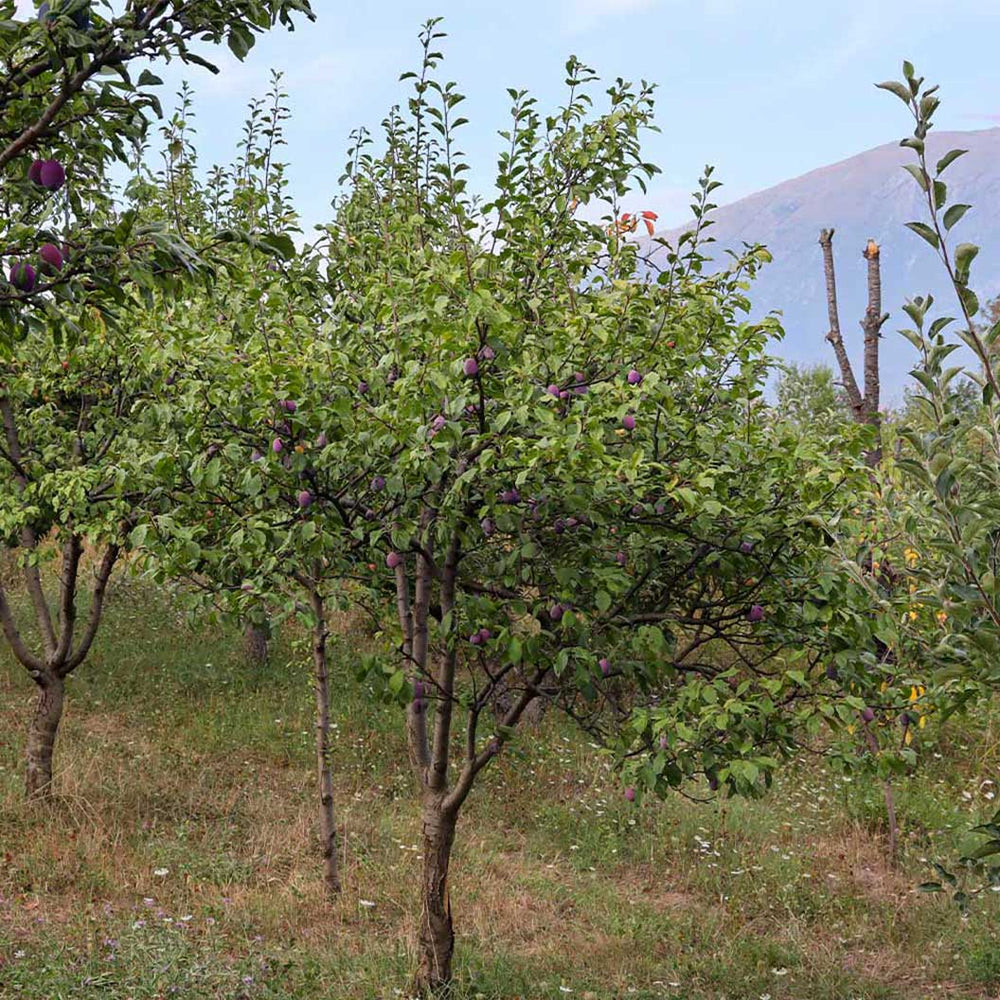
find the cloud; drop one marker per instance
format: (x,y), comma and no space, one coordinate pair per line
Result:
(582,15)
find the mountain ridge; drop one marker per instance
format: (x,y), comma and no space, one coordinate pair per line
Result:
(867,195)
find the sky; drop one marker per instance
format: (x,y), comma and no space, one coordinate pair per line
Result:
(764,90)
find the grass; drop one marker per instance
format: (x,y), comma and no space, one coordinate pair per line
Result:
(180,857)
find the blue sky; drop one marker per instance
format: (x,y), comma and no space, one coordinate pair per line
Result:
(763,89)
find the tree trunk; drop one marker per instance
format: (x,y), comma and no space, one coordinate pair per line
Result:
(327,819)
(437,937)
(255,644)
(42,738)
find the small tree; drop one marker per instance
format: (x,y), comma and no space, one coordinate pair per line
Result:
(253,479)
(954,448)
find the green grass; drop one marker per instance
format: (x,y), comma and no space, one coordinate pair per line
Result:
(180,859)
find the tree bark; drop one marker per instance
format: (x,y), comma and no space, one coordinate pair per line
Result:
(850,383)
(255,644)
(872,326)
(889,796)
(437,936)
(42,737)
(321,686)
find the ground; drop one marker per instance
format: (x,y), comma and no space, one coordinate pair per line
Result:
(180,857)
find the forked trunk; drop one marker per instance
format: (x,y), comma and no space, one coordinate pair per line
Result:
(42,738)
(437,938)
(327,819)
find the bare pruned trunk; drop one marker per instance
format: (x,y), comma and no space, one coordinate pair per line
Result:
(865,409)
(321,687)
(437,936)
(42,737)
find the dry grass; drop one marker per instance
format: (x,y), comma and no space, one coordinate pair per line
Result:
(183,832)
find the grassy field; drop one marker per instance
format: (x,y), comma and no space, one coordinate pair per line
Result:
(180,860)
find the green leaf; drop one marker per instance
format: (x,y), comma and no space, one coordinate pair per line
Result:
(240,41)
(954,214)
(965,254)
(894,87)
(925,232)
(918,173)
(949,158)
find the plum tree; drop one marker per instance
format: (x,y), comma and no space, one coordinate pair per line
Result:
(76,454)
(951,444)
(73,455)
(517,496)
(258,387)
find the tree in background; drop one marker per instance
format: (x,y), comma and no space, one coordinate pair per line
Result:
(809,394)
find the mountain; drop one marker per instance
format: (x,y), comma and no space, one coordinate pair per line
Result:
(868,195)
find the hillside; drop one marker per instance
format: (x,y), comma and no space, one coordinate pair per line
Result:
(868,195)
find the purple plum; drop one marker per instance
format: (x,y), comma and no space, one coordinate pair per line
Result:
(277,446)
(755,614)
(487,353)
(634,377)
(52,259)
(362,387)
(605,664)
(378,484)
(556,612)
(621,558)
(485,634)
(628,422)
(471,367)
(52,175)
(630,794)
(868,714)
(255,456)
(289,405)
(305,499)
(553,390)
(23,277)
(746,548)
(393,559)
(476,639)
(488,526)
